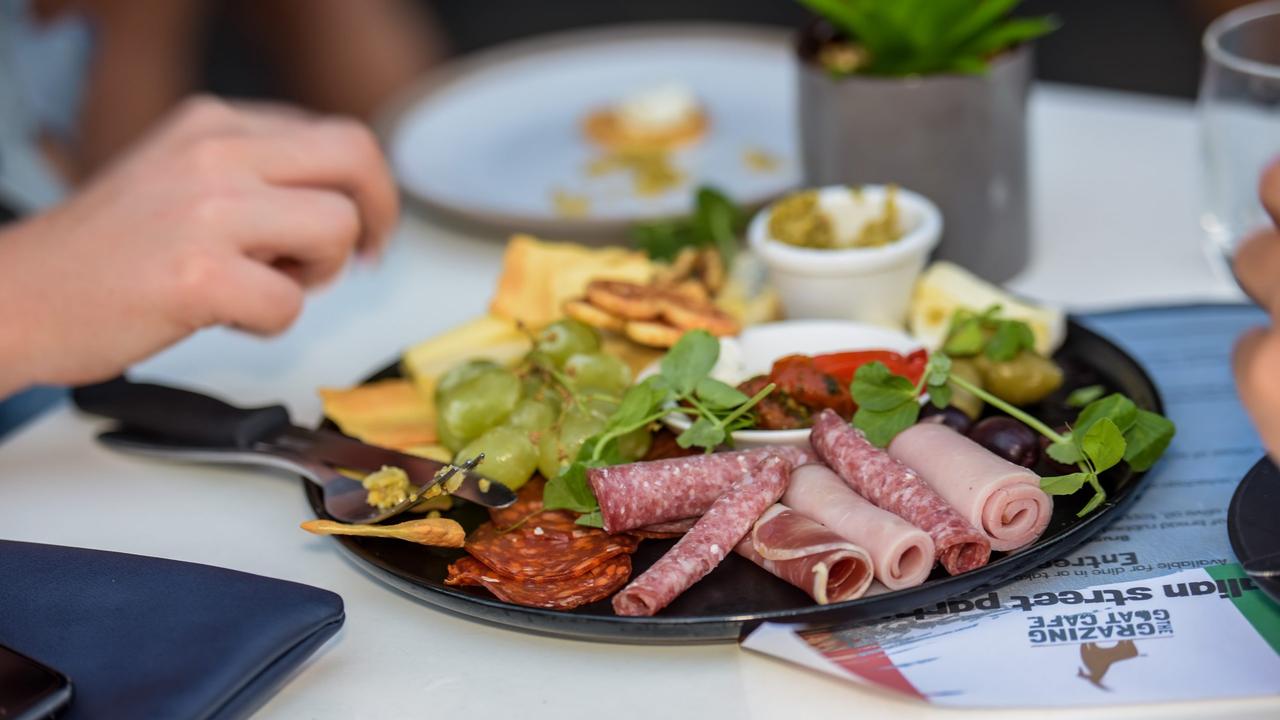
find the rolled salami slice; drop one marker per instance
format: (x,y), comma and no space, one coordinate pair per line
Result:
(722,527)
(1001,499)
(660,491)
(807,555)
(897,488)
(901,553)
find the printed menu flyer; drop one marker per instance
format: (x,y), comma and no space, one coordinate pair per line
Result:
(1155,608)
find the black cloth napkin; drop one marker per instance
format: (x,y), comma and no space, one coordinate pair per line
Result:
(143,637)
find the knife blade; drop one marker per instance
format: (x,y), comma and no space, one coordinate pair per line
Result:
(202,421)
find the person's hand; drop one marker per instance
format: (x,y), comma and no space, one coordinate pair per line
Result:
(221,217)
(1257,354)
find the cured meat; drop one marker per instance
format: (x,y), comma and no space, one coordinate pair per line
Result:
(660,491)
(568,593)
(876,476)
(528,501)
(1001,499)
(807,555)
(722,527)
(547,546)
(901,553)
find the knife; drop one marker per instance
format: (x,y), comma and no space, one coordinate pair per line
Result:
(185,418)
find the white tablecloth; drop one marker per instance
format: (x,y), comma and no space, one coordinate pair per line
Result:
(1115,213)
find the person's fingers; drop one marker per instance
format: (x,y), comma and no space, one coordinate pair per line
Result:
(1269,190)
(306,232)
(1254,362)
(256,297)
(336,154)
(1257,268)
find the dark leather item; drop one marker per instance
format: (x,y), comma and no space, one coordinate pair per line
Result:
(144,637)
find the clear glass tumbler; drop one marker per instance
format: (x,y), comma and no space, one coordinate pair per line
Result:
(1239,109)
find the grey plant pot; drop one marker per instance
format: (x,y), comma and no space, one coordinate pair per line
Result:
(959,140)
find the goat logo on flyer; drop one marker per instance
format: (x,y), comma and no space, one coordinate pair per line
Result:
(1098,660)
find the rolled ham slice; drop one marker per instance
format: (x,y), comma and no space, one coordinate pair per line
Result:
(901,553)
(1001,499)
(652,493)
(892,486)
(807,555)
(729,519)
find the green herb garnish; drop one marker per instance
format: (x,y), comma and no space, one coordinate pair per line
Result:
(683,384)
(716,222)
(1000,339)
(1107,431)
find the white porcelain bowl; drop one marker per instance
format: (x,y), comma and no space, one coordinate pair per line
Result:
(870,285)
(760,345)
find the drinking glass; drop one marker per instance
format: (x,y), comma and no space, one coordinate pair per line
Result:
(1239,110)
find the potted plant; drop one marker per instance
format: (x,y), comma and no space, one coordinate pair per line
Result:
(930,95)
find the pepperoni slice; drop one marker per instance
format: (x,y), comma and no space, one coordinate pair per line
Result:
(547,546)
(528,501)
(597,583)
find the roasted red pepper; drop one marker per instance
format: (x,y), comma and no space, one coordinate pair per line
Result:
(843,365)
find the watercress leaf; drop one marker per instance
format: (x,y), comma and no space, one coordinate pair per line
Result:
(1065,452)
(1084,395)
(570,491)
(882,426)
(875,388)
(719,396)
(1097,499)
(940,395)
(690,360)
(939,370)
(966,338)
(639,402)
(1119,408)
(1104,444)
(1010,338)
(592,519)
(1064,484)
(717,220)
(702,433)
(1147,439)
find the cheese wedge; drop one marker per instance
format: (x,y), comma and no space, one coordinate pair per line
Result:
(946,287)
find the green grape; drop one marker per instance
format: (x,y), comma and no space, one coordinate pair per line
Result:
(556,450)
(537,388)
(598,371)
(459,374)
(532,415)
(509,456)
(563,338)
(475,405)
(635,444)
(549,455)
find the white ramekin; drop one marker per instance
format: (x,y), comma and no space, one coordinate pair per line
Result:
(863,284)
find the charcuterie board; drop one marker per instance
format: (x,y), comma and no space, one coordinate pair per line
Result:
(738,595)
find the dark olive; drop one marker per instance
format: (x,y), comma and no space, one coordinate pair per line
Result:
(951,416)
(1007,438)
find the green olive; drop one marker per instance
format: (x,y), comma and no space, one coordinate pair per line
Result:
(963,400)
(1025,379)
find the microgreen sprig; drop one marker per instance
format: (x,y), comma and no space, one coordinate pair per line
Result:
(1107,431)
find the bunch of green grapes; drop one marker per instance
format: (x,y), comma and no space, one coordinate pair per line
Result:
(536,417)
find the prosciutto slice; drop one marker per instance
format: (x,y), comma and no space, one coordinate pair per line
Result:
(897,488)
(716,533)
(901,553)
(1001,499)
(657,492)
(807,555)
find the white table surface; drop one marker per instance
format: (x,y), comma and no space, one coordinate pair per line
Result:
(1115,223)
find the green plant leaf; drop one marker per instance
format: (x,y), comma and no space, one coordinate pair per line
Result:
(689,360)
(881,427)
(1010,338)
(1065,452)
(640,401)
(1007,34)
(702,433)
(877,389)
(965,338)
(940,395)
(1119,408)
(1103,444)
(592,519)
(1082,396)
(719,396)
(570,491)
(1064,484)
(981,16)
(1098,497)
(1147,439)
(717,221)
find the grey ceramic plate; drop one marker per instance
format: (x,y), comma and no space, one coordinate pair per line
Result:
(489,139)
(738,596)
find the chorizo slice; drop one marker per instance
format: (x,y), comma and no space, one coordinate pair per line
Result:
(568,593)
